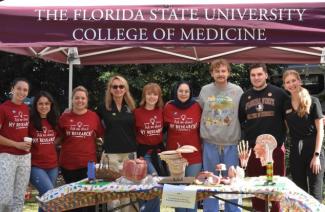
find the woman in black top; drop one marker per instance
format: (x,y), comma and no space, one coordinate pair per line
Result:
(118,118)
(304,119)
(119,122)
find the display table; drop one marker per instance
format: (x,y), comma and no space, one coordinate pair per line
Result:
(82,194)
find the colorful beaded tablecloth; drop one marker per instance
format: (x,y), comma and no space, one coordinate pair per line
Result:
(82,194)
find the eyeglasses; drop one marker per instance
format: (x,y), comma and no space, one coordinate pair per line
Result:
(118,86)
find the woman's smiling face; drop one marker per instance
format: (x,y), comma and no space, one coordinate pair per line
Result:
(183,92)
(292,83)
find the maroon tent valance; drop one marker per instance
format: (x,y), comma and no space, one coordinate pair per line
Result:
(298,24)
(272,32)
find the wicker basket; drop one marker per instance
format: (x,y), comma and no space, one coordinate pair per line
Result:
(107,174)
(176,164)
(177,168)
(166,157)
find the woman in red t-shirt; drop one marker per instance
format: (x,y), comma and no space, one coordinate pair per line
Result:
(149,134)
(14,150)
(43,130)
(79,129)
(149,127)
(182,116)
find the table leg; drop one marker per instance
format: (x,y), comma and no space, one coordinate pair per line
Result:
(132,203)
(238,205)
(101,207)
(267,203)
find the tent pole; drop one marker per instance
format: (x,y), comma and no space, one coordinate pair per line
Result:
(73,58)
(70,83)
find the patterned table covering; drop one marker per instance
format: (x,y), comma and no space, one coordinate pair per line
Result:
(81,194)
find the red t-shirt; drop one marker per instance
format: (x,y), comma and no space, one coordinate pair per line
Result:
(78,144)
(149,125)
(43,148)
(183,129)
(14,121)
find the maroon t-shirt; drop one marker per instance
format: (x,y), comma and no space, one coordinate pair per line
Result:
(183,129)
(14,121)
(149,125)
(78,144)
(43,150)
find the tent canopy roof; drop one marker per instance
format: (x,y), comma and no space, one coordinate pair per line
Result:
(174,33)
(33,3)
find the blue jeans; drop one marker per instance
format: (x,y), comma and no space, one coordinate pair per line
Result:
(152,205)
(191,171)
(43,179)
(212,155)
(150,167)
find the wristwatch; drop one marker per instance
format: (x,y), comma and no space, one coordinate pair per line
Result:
(316,154)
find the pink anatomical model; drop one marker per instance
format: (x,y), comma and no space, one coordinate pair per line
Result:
(265,144)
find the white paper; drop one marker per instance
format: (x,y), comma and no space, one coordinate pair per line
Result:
(179,196)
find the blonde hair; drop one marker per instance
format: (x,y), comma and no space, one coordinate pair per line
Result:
(303,94)
(127,96)
(152,88)
(82,89)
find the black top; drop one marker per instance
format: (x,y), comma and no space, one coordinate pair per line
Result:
(119,134)
(303,127)
(262,112)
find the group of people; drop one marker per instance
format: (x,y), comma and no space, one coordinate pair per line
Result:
(267,109)
(214,123)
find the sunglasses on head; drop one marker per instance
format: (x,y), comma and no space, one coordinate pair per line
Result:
(118,86)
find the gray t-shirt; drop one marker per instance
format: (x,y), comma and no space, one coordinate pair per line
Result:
(219,120)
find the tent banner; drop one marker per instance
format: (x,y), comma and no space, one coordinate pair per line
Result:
(241,24)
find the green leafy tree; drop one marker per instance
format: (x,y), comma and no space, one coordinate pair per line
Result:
(53,77)
(167,75)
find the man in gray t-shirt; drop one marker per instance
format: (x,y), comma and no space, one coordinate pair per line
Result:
(220,128)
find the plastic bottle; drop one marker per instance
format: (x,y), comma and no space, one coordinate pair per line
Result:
(91,171)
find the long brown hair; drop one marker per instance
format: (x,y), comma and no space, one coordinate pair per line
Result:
(152,88)
(127,96)
(52,116)
(303,94)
